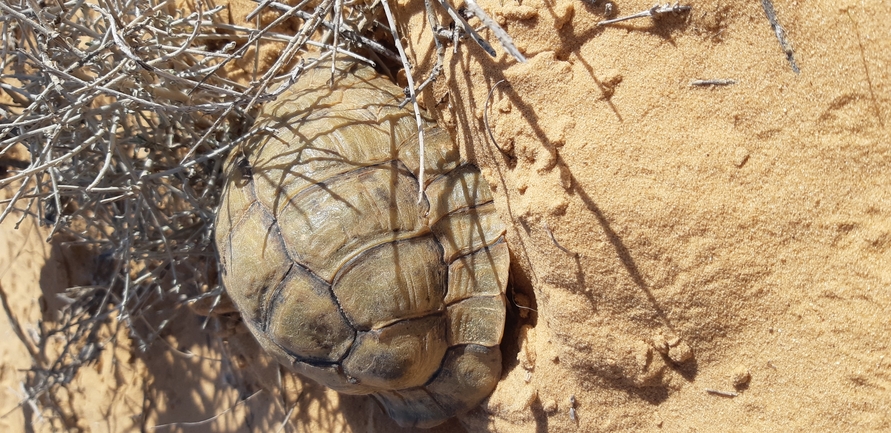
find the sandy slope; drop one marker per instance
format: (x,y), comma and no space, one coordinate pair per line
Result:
(712,233)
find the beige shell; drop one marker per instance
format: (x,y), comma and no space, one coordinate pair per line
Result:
(337,269)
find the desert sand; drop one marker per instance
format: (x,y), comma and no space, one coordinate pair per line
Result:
(685,258)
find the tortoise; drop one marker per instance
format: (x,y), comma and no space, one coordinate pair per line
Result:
(341,272)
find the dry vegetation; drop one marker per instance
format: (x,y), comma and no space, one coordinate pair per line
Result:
(116,119)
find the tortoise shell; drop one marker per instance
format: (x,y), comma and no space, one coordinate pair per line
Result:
(338,269)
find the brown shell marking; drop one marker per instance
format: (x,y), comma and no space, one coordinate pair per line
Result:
(337,269)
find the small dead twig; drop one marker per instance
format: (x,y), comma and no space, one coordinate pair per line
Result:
(486,119)
(459,20)
(730,394)
(554,240)
(414,100)
(654,11)
(16,328)
(440,52)
(506,41)
(780,33)
(337,13)
(209,420)
(572,411)
(713,82)
(872,93)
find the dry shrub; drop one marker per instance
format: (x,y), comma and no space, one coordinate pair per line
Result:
(115,119)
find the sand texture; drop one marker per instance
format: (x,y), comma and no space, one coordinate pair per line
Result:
(667,240)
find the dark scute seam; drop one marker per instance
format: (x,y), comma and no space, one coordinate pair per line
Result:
(295,262)
(266,302)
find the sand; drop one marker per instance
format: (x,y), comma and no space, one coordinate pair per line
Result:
(686,258)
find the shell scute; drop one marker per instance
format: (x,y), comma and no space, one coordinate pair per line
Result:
(304,318)
(467,230)
(252,257)
(330,222)
(402,355)
(387,277)
(478,274)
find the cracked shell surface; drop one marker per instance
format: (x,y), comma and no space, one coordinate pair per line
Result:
(341,273)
